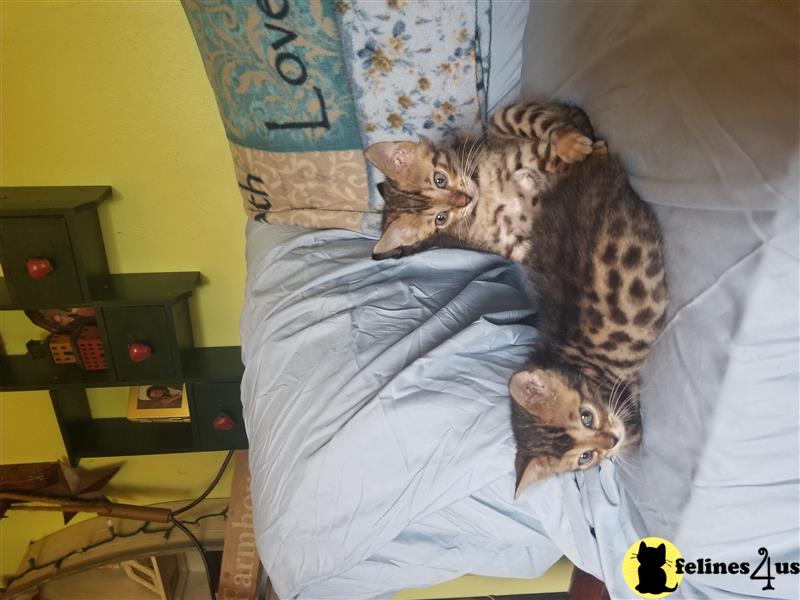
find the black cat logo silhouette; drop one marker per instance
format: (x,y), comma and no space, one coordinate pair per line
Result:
(649,568)
(652,577)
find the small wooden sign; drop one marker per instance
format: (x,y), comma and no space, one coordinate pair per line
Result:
(238,579)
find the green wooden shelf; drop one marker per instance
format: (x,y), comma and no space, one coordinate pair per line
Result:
(127,289)
(53,256)
(220,363)
(27,201)
(85,436)
(142,288)
(121,437)
(20,373)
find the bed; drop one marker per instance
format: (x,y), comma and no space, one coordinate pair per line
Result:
(375,393)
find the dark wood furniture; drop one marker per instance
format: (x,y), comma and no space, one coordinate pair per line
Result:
(583,586)
(53,256)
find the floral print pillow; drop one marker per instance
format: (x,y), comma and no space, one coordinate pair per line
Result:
(414,68)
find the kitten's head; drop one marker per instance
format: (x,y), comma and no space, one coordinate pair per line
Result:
(565,422)
(426,193)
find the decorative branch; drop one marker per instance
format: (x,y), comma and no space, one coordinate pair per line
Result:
(100,507)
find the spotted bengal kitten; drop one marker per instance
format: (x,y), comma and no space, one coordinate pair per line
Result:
(432,193)
(543,194)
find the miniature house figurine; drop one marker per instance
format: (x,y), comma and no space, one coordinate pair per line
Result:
(61,349)
(90,349)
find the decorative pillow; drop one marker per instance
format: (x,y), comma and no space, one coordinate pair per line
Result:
(277,71)
(304,85)
(415,69)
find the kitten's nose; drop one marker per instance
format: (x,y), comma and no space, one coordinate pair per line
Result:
(460,199)
(606,441)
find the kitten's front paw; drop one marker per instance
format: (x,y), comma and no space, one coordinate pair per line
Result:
(573,147)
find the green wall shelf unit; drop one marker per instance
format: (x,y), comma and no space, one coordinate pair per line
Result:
(53,257)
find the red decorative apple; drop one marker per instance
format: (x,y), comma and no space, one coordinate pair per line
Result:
(223,422)
(138,352)
(39,268)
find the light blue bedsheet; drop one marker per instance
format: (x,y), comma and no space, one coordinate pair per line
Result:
(375,393)
(376,404)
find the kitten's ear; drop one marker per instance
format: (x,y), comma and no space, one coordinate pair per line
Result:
(398,235)
(425,141)
(642,547)
(530,470)
(529,389)
(393,159)
(662,550)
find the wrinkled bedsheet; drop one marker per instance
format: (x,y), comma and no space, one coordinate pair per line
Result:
(376,404)
(375,393)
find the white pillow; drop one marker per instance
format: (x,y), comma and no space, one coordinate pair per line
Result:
(699,98)
(508,19)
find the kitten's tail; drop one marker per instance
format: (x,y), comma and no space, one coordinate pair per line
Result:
(670,589)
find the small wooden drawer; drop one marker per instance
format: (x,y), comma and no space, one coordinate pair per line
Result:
(143,343)
(38,261)
(216,409)
(51,243)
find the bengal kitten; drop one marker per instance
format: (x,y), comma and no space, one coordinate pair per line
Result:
(479,192)
(592,250)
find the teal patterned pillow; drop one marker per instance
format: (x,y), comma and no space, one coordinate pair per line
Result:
(278,73)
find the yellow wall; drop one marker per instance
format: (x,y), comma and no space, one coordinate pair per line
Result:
(115,93)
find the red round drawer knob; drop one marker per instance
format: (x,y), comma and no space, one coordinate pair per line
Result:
(138,352)
(39,268)
(223,422)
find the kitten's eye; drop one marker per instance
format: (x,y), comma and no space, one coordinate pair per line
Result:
(441,219)
(440,179)
(585,458)
(587,418)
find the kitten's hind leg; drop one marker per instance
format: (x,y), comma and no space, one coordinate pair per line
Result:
(561,134)
(538,121)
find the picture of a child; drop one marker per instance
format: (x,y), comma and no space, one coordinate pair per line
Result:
(158,396)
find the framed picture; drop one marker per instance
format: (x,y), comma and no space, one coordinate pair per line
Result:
(158,402)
